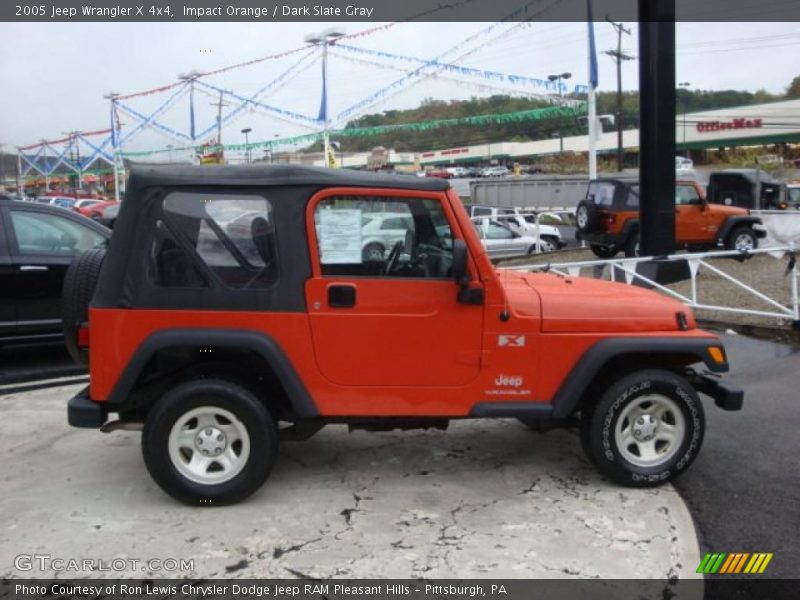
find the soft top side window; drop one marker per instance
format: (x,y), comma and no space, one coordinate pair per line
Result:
(231,235)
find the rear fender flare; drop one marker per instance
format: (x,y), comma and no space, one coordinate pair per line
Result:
(259,343)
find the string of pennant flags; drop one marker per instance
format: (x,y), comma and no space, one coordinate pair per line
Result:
(472,121)
(447,66)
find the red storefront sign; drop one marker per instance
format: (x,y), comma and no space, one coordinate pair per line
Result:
(707,126)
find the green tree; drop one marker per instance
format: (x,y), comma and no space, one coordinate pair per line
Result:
(793,91)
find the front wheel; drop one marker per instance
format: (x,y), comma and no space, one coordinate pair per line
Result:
(209,442)
(742,239)
(645,429)
(632,248)
(373,252)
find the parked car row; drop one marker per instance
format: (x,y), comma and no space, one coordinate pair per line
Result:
(93,208)
(464,172)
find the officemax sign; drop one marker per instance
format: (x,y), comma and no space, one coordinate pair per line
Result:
(706,126)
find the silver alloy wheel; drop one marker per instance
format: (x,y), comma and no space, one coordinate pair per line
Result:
(650,430)
(744,242)
(209,445)
(374,252)
(582,217)
(545,245)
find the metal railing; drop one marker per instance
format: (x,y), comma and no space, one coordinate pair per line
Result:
(696,261)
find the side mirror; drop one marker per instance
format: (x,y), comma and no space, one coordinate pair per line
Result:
(460,261)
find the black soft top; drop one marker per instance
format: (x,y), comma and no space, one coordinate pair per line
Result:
(144,175)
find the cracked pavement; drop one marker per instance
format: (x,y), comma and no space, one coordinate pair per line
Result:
(486,499)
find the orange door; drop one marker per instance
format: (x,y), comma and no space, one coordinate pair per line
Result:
(394,321)
(408,333)
(691,218)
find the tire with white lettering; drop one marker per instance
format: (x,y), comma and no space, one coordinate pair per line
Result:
(645,429)
(209,442)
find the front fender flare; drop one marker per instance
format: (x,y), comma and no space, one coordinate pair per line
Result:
(566,400)
(733,222)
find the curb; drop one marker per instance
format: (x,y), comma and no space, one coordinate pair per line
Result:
(774,334)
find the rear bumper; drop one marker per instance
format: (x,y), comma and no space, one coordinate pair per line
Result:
(601,239)
(725,395)
(82,411)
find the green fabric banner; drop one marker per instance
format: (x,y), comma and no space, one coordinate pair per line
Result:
(534,114)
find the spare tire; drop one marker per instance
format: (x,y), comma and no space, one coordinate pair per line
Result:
(586,216)
(79,284)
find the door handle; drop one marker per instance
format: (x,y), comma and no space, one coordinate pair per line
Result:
(342,296)
(33,268)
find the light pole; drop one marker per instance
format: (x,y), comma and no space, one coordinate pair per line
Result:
(558,78)
(246,131)
(325,38)
(190,78)
(115,141)
(75,140)
(685,85)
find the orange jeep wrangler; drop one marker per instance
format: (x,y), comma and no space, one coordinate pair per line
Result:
(235,307)
(608,218)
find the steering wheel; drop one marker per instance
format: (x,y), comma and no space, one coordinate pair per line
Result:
(394,255)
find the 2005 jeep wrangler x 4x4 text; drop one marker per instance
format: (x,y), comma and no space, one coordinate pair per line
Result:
(232,299)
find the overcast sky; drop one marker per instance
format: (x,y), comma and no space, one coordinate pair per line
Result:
(55,74)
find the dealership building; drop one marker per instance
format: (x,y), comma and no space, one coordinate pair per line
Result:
(742,126)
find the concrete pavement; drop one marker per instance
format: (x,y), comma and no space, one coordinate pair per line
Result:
(484,499)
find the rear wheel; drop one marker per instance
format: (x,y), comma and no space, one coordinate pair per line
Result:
(632,248)
(209,442)
(645,429)
(603,251)
(80,282)
(742,239)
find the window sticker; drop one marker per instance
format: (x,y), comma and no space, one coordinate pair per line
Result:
(340,236)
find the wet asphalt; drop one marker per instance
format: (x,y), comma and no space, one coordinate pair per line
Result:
(743,491)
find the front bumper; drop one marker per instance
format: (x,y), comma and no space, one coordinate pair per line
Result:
(725,395)
(82,411)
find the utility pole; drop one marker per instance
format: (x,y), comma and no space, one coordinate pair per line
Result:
(2,170)
(618,55)
(219,104)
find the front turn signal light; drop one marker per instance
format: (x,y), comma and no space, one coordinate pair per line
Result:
(717,354)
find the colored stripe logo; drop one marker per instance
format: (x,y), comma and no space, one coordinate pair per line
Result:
(733,563)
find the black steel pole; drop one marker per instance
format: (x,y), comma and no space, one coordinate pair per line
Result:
(620,125)
(657,126)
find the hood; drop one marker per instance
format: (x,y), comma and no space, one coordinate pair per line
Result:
(728,211)
(583,305)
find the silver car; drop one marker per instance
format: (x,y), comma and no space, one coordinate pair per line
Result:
(501,242)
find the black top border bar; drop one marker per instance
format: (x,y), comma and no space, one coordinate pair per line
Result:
(383,11)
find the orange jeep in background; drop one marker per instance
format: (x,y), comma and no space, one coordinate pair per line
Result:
(234,299)
(608,218)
